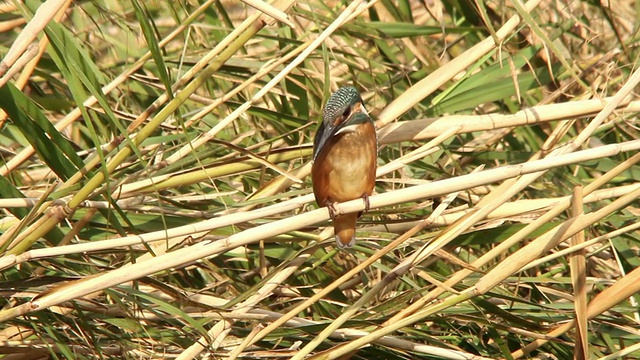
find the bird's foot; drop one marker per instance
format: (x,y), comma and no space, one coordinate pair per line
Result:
(367,205)
(332,209)
(365,198)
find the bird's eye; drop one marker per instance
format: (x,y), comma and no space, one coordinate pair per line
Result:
(346,112)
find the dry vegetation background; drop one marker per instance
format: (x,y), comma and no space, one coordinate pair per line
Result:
(155,201)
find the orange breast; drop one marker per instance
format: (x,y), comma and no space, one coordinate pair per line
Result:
(345,168)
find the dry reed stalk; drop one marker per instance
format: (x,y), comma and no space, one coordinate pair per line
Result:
(72,116)
(579,281)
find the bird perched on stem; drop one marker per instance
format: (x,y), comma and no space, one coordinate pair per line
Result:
(345,151)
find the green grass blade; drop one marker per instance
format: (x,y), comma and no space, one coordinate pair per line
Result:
(145,19)
(56,151)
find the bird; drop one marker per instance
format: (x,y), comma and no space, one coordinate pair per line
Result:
(345,151)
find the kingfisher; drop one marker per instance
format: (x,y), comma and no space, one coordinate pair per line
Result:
(345,151)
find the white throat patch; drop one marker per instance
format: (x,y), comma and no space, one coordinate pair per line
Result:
(348,129)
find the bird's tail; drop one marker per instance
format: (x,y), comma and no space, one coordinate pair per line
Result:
(345,228)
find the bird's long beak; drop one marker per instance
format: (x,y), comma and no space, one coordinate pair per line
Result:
(322,136)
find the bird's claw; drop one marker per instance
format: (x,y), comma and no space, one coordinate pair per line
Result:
(332,207)
(367,205)
(332,210)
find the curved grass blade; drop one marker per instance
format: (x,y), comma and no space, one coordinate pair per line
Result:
(54,149)
(149,31)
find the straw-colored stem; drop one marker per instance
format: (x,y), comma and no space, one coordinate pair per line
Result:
(37,231)
(28,151)
(393,197)
(393,275)
(420,129)
(307,50)
(579,281)
(609,297)
(440,76)
(622,289)
(516,238)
